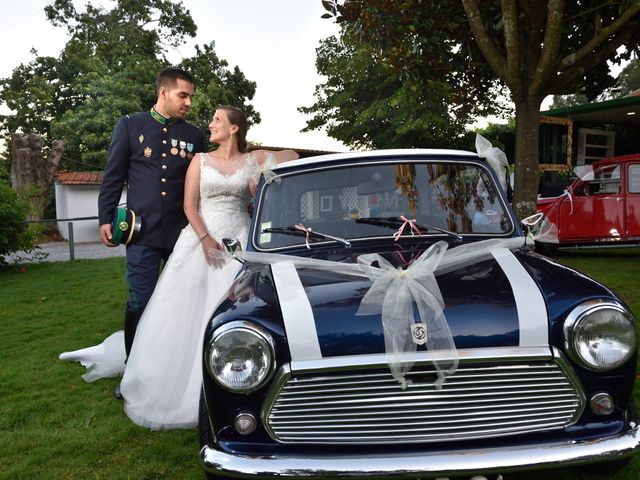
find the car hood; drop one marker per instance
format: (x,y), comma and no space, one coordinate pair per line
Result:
(515,301)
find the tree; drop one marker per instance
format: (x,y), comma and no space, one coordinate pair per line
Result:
(31,174)
(629,78)
(217,85)
(532,48)
(15,234)
(107,69)
(365,107)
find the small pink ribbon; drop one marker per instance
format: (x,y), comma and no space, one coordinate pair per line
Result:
(411,224)
(307,231)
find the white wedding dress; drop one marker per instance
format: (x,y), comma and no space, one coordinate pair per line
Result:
(163,375)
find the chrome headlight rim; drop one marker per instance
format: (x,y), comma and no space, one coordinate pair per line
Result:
(581,312)
(252,328)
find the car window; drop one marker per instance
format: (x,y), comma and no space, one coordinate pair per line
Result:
(605,181)
(634,178)
(458,197)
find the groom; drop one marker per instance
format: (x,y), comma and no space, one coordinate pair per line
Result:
(150,152)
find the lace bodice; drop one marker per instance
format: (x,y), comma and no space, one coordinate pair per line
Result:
(225,196)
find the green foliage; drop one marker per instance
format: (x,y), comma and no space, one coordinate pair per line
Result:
(14,233)
(561,101)
(629,78)
(107,69)
(365,106)
(533,49)
(217,85)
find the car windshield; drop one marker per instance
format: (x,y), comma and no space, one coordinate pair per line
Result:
(372,200)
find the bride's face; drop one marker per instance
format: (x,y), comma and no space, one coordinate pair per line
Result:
(220,127)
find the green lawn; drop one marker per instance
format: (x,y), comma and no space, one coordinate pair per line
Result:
(53,425)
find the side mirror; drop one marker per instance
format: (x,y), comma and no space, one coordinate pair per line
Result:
(232,245)
(533,223)
(533,220)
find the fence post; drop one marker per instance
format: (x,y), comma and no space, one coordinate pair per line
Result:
(71,252)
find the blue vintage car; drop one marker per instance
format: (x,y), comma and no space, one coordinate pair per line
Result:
(390,320)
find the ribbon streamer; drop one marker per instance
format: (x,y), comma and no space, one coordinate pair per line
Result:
(394,290)
(567,193)
(266,169)
(495,157)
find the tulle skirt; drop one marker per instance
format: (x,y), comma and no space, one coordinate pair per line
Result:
(163,376)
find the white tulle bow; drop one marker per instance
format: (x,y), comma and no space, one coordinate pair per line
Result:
(266,169)
(394,291)
(495,157)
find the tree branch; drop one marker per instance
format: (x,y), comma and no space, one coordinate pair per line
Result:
(512,43)
(550,48)
(600,37)
(493,56)
(565,83)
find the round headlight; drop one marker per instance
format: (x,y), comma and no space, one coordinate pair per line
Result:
(240,356)
(600,335)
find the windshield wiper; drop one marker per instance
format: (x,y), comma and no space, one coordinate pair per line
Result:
(396,222)
(292,230)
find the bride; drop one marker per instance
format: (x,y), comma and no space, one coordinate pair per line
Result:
(163,374)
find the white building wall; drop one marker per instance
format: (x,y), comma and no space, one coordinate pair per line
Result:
(75,201)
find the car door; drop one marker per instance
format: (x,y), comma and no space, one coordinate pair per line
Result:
(633,200)
(597,215)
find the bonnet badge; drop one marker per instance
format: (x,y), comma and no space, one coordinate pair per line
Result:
(419,333)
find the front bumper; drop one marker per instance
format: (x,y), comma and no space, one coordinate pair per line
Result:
(424,465)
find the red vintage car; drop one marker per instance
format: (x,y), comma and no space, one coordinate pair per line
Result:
(601,208)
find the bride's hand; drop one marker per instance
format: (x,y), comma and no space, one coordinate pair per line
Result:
(253,186)
(213,252)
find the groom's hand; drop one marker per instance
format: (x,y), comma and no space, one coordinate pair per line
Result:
(105,235)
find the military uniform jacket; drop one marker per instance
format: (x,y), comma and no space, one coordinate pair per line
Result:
(152,158)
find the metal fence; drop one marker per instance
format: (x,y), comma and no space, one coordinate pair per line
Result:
(70,221)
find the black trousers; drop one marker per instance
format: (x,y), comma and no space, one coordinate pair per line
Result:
(143,267)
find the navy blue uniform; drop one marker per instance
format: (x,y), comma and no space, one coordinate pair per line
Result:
(151,155)
(148,155)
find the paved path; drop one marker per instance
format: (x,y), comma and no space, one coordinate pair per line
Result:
(59,252)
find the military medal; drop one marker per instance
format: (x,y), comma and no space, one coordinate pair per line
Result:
(190,150)
(141,138)
(148,152)
(183,145)
(174,144)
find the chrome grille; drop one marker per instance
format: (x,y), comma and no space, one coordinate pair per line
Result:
(370,407)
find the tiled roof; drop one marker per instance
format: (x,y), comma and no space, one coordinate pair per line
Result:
(79,178)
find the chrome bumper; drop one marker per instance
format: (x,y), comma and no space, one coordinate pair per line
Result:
(424,465)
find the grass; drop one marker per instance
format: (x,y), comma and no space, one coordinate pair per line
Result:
(53,425)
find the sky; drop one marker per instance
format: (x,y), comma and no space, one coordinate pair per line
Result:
(273,42)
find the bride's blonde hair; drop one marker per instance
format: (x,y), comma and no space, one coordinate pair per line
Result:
(237,117)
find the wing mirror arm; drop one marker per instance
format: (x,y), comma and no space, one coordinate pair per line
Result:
(233,245)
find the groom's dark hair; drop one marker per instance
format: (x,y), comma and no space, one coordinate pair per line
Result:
(169,76)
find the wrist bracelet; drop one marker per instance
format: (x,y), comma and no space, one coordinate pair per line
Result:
(204,235)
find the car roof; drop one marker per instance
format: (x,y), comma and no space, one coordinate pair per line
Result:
(374,154)
(621,158)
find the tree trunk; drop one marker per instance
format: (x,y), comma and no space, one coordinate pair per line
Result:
(31,174)
(527,177)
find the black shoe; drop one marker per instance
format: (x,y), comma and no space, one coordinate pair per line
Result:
(117,393)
